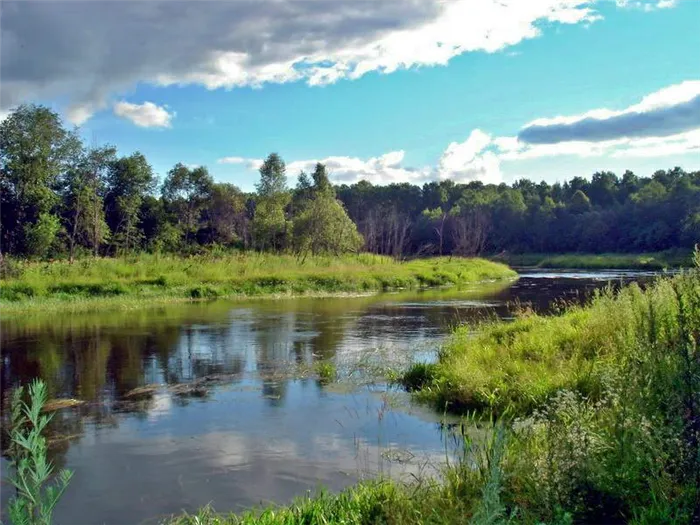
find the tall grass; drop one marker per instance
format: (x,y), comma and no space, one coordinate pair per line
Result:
(603,402)
(91,283)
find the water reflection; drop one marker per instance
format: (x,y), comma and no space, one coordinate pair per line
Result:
(260,430)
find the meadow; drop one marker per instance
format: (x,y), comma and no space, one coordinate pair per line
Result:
(93,283)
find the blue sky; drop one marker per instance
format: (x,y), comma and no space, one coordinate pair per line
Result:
(403,108)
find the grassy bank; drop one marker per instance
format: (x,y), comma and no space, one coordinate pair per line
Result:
(602,426)
(637,261)
(148,279)
(515,367)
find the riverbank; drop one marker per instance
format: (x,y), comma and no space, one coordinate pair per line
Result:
(601,261)
(600,421)
(100,283)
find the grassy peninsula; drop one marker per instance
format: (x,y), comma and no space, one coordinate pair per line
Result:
(92,283)
(598,422)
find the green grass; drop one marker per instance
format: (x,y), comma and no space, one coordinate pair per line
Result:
(603,427)
(636,261)
(515,367)
(151,279)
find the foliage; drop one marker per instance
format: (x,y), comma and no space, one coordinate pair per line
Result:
(41,235)
(106,205)
(34,502)
(270,222)
(323,226)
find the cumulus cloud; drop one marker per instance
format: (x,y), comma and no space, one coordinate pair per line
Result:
(146,115)
(670,111)
(384,169)
(470,160)
(79,50)
(482,157)
(461,162)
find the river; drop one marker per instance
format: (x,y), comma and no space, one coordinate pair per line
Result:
(259,427)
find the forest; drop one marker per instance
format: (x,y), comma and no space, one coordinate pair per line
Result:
(61,198)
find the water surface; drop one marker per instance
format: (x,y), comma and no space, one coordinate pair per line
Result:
(261,428)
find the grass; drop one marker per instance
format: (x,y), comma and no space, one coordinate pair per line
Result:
(515,367)
(95,283)
(603,422)
(636,261)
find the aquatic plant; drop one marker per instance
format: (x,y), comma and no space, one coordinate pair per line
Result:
(326,372)
(35,498)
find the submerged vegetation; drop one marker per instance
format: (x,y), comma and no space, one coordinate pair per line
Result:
(89,283)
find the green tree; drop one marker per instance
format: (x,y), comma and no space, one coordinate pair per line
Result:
(270,224)
(324,226)
(186,193)
(130,179)
(40,236)
(580,203)
(83,190)
(226,213)
(35,149)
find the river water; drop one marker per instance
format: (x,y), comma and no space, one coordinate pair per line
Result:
(259,427)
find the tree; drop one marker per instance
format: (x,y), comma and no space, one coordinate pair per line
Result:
(129,180)
(40,236)
(302,193)
(186,193)
(323,226)
(436,220)
(469,230)
(35,150)
(580,203)
(270,224)
(227,214)
(603,189)
(83,189)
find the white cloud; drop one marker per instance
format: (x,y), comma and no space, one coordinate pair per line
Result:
(669,111)
(647,5)
(146,115)
(482,157)
(78,49)
(469,160)
(461,162)
(385,169)
(666,4)
(231,160)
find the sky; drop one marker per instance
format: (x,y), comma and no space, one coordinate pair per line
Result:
(381,90)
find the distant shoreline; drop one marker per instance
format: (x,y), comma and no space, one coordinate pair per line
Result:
(601,261)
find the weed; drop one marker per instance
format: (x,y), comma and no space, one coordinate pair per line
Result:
(34,502)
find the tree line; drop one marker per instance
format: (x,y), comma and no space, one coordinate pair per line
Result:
(60,197)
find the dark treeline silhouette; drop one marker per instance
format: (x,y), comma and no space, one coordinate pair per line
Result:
(60,197)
